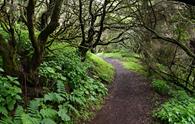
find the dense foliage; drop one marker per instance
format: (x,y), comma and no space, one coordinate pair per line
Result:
(161,87)
(48,75)
(68,94)
(178,110)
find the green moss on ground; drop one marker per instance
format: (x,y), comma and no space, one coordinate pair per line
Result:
(133,66)
(104,70)
(130,61)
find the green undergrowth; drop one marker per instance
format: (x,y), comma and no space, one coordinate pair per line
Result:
(130,61)
(180,107)
(103,69)
(161,87)
(71,90)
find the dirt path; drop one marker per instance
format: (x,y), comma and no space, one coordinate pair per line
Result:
(130,100)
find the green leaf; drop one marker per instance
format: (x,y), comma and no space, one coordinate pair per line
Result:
(3,110)
(34,104)
(11,104)
(48,113)
(11,78)
(63,114)
(19,111)
(50,70)
(73,109)
(47,121)
(26,119)
(1,70)
(60,87)
(54,97)
(6,120)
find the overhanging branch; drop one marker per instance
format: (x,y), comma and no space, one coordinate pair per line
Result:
(51,27)
(191,2)
(174,41)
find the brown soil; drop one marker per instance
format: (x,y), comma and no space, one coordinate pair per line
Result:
(130,100)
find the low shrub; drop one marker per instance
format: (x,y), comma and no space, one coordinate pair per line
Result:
(10,95)
(69,93)
(178,110)
(161,87)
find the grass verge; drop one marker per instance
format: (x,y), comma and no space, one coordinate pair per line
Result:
(104,70)
(129,61)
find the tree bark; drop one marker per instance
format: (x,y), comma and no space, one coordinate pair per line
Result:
(8,53)
(40,42)
(88,41)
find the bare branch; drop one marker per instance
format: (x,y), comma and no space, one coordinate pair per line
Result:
(51,27)
(30,24)
(174,41)
(81,21)
(101,23)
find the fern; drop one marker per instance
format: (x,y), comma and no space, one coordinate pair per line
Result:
(61,87)
(26,119)
(17,116)
(53,97)
(33,108)
(48,113)
(3,110)
(47,121)
(72,109)
(6,120)
(63,113)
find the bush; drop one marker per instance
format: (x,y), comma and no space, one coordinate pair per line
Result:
(177,111)
(69,95)
(161,87)
(10,95)
(83,93)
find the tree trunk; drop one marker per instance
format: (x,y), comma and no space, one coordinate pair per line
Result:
(10,65)
(82,51)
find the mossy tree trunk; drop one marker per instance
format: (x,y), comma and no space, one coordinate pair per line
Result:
(25,67)
(90,36)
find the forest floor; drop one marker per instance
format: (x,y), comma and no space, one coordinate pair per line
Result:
(131,99)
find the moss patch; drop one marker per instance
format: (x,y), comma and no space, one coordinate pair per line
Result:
(129,61)
(105,71)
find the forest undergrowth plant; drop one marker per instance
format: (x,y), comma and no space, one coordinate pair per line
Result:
(178,110)
(68,94)
(10,95)
(161,87)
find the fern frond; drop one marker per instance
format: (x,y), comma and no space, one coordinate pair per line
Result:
(54,97)
(60,87)
(62,113)
(6,120)
(26,119)
(33,108)
(47,121)
(48,113)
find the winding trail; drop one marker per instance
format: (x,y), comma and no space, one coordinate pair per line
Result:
(130,99)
